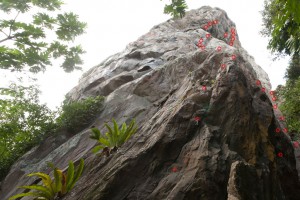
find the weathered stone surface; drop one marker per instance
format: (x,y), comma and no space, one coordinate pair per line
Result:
(158,79)
(57,149)
(242,183)
(296,145)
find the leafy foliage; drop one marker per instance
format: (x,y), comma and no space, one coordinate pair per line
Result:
(53,188)
(293,70)
(281,21)
(75,116)
(30,44)
(177,8)
(115,137)
(23,123)
(290,107)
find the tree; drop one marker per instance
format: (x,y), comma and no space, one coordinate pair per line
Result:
(24,122)
(29,44)
(281,21)
(293,71)
(290,94)
(177,8)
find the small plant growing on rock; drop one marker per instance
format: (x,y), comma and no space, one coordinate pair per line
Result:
(53,189)
(114,138)
(177,8)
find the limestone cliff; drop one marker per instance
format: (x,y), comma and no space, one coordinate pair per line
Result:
(166,80)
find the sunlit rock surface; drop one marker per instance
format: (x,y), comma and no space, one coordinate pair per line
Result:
(164,80)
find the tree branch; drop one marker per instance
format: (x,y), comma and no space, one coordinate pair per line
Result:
(13,23)
(8,38)
(3,33)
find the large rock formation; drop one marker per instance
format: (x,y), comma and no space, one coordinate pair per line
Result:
(236,150)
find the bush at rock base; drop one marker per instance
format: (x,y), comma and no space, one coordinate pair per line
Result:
(75,116)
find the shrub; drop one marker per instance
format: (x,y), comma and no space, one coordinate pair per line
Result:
(53,188)
(75,116)
(114,138)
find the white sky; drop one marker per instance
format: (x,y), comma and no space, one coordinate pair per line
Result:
(112,24)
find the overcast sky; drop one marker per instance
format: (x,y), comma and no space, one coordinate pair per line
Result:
(112,24)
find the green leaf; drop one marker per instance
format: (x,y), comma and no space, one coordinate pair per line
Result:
(116,132)
(51,165)
(69,26)
(28,194)
(45,179)
(124,127)
(281,24)
(110,135)
(176,8)
(96,134)
(29,47)
(43,191)
(97,148)
(70,175)
(78,173)
(58,180)
(105,141)
(115,137)
(130,131)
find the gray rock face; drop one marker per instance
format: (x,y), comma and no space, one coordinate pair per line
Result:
(296,145)
(165,81)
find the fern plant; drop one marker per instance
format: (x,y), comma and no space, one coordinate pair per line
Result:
(53,188)
(114,138)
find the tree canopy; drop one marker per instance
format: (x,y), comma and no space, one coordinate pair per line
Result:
(30,43)
(291,104)
(293,70)
(23,123)
(281,21)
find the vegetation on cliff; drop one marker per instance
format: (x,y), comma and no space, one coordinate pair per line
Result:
(290,98)
(75,116)
(281,21)
(30,121)
(52,189)
(176,8)
(32,34)
(113,138)
(23,123)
